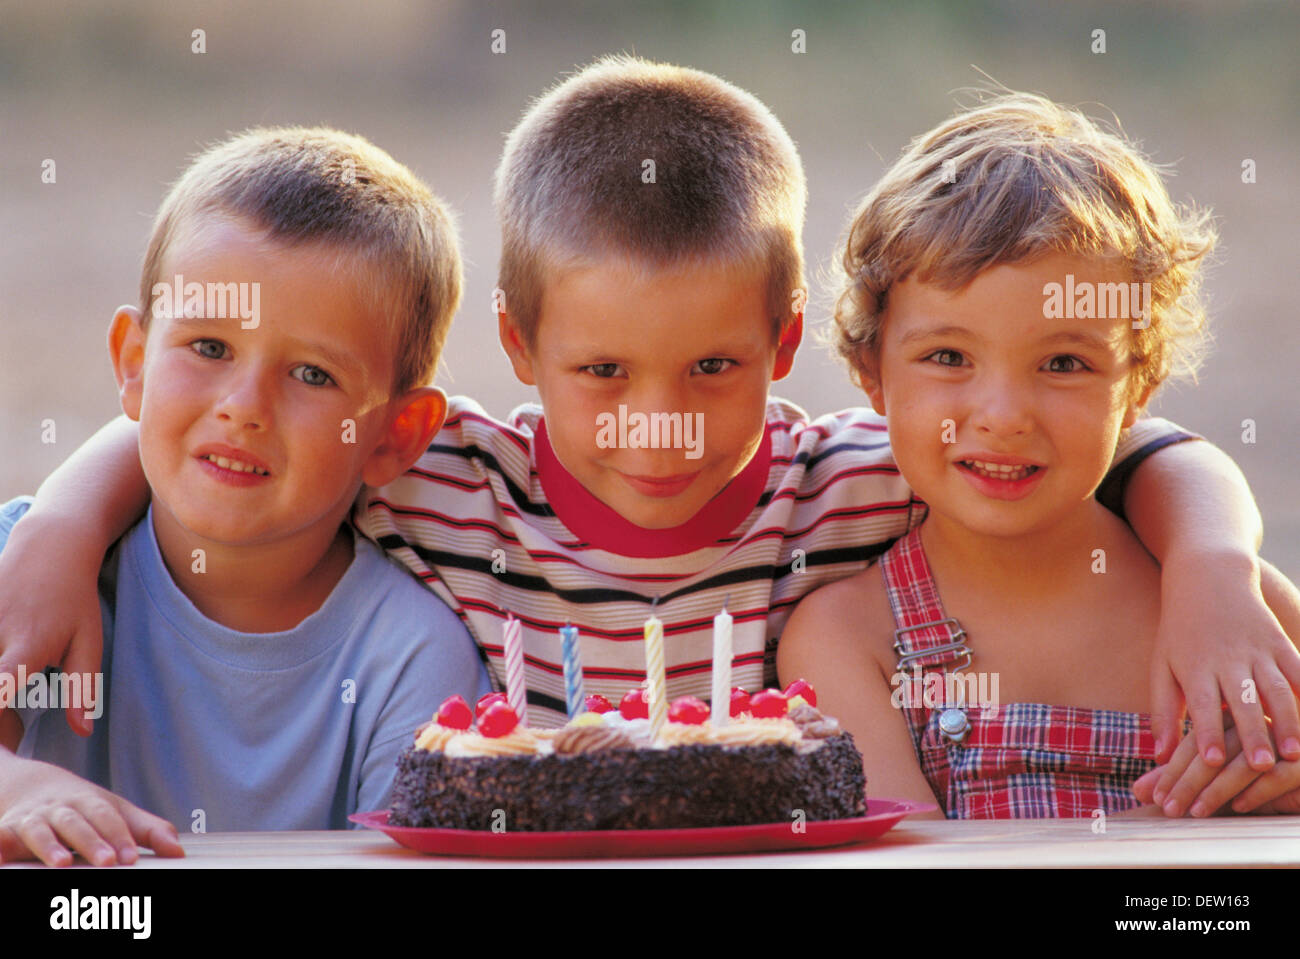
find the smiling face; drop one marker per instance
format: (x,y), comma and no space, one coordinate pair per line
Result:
(1036,404)
(689,340)
(244,433)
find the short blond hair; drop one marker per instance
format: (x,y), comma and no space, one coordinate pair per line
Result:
(1005,182)
(574,183)
(318,185)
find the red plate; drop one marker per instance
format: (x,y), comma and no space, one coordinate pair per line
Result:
(881,816)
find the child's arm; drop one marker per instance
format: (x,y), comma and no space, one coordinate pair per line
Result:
(1189,784)
(826,643)
(46,811)
(49,606)
(1193,510)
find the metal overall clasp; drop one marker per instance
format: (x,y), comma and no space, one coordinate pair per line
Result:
(954,723)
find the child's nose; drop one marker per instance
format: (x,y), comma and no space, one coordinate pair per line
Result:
(1002,407)
(656,396)
(246,402)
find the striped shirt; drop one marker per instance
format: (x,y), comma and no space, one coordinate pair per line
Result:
(490,520)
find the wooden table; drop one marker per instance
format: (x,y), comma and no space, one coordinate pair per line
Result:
(1244,841)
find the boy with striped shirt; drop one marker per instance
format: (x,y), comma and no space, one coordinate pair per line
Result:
(679,296)
(652,264)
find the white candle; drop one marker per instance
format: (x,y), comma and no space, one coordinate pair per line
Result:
(721,668)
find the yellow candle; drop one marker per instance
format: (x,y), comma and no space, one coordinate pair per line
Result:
(657,691)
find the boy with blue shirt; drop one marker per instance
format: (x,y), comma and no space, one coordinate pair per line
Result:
(263,665)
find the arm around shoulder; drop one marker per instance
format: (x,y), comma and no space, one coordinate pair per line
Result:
(1191,498)
(1192,509)
(49,609)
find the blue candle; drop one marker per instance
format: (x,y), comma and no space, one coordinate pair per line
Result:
(572,670)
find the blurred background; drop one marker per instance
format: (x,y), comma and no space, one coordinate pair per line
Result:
(116,97)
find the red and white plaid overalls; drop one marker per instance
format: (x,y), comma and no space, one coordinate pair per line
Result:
(1020,760)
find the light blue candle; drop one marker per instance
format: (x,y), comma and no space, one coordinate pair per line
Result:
(572,670)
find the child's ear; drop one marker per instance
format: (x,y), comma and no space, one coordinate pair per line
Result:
(419,415)
(787,346)
(1136,406)
(512,341)
(867,367)
(126,348)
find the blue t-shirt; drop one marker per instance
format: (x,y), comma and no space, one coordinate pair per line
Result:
(218,730)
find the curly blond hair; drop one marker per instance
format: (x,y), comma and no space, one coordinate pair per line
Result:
(1012,179)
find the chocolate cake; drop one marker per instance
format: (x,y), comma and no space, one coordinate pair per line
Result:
(608,772)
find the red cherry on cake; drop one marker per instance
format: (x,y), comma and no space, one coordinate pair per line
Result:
(497,720)
(688,710)
(739,701)
(635,705)
(801,687)
(487,700)
(596,703)
(769,704)
(454,713)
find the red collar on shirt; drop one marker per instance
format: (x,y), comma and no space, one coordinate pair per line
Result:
(591,520)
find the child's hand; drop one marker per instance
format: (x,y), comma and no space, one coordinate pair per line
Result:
(1219,641)
(49,608)
(45,811)
(1189,784)
(1178,785)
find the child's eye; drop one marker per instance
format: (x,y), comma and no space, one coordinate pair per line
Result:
(605,371)
(209,349)
(946,357)
(311,375)
(1066,364)
(713,366)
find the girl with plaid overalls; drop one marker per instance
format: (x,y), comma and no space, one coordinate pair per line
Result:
(981,311)
(1026,695)
(1001,760)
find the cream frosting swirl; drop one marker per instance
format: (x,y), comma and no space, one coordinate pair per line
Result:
(576,740)
(685,734)
(470,745)
(638,730)
(759,732)
(433,737)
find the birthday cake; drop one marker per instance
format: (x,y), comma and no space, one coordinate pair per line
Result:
(775,758)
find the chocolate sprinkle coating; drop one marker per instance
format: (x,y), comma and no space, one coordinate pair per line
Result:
(681,787)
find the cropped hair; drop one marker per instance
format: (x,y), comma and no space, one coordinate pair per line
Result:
(317,185)
(1008,181)
(662,164)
